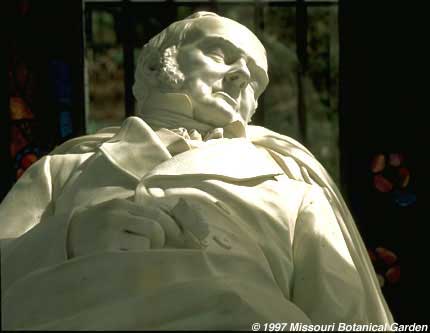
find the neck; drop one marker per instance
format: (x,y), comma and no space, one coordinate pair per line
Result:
(171,110)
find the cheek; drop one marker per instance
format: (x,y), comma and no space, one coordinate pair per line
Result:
(197,90)
(204,89)
(198,65)
(249,97)
(248,103)
(199,86)
(188,61)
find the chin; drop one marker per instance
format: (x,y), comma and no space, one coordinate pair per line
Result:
(219,114)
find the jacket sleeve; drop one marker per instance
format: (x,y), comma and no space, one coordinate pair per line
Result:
(28,200)
(326,285)
(32,198)
(32,234)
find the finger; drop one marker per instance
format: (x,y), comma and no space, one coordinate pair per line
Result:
(142,226)
(132,242)
(171,227)
(191,218)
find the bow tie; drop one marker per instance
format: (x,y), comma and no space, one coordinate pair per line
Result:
(235,129)
(180,139)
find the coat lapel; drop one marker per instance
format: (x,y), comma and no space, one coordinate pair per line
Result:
(136,148)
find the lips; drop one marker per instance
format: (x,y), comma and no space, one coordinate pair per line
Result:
(227,98)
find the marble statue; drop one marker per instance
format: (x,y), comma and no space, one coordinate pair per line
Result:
(185,217)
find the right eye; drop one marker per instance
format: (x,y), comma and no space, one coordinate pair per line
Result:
(217,55)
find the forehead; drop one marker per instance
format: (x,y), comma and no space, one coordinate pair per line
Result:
(220,28)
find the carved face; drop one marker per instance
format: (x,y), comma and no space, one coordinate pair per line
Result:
(225,70)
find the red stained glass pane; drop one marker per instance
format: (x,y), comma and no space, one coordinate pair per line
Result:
(393,274)
(387,256)
(404,177)
(382,184)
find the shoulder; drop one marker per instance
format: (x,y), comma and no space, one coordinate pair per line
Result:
(133,128)
(69,155)
(293,156)
(86,143)
(266,137)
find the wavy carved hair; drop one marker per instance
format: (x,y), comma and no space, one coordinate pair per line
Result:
(158,57)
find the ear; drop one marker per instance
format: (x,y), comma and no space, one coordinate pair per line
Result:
(152,67)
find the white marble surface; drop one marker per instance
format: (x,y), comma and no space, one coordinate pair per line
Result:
(189,218)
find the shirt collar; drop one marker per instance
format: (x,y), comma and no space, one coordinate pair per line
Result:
(173,111)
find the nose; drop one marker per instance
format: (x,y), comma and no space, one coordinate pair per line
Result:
(239,74)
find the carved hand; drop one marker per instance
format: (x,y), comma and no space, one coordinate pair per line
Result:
(120,225)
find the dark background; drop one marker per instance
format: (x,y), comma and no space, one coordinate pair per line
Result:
(382,66)
(381,93)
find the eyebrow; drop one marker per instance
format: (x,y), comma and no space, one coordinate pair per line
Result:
(259,72)
(222,40)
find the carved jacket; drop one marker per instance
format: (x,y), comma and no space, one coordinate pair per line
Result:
(271,239)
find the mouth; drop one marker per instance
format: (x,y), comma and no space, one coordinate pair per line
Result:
(227,98)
